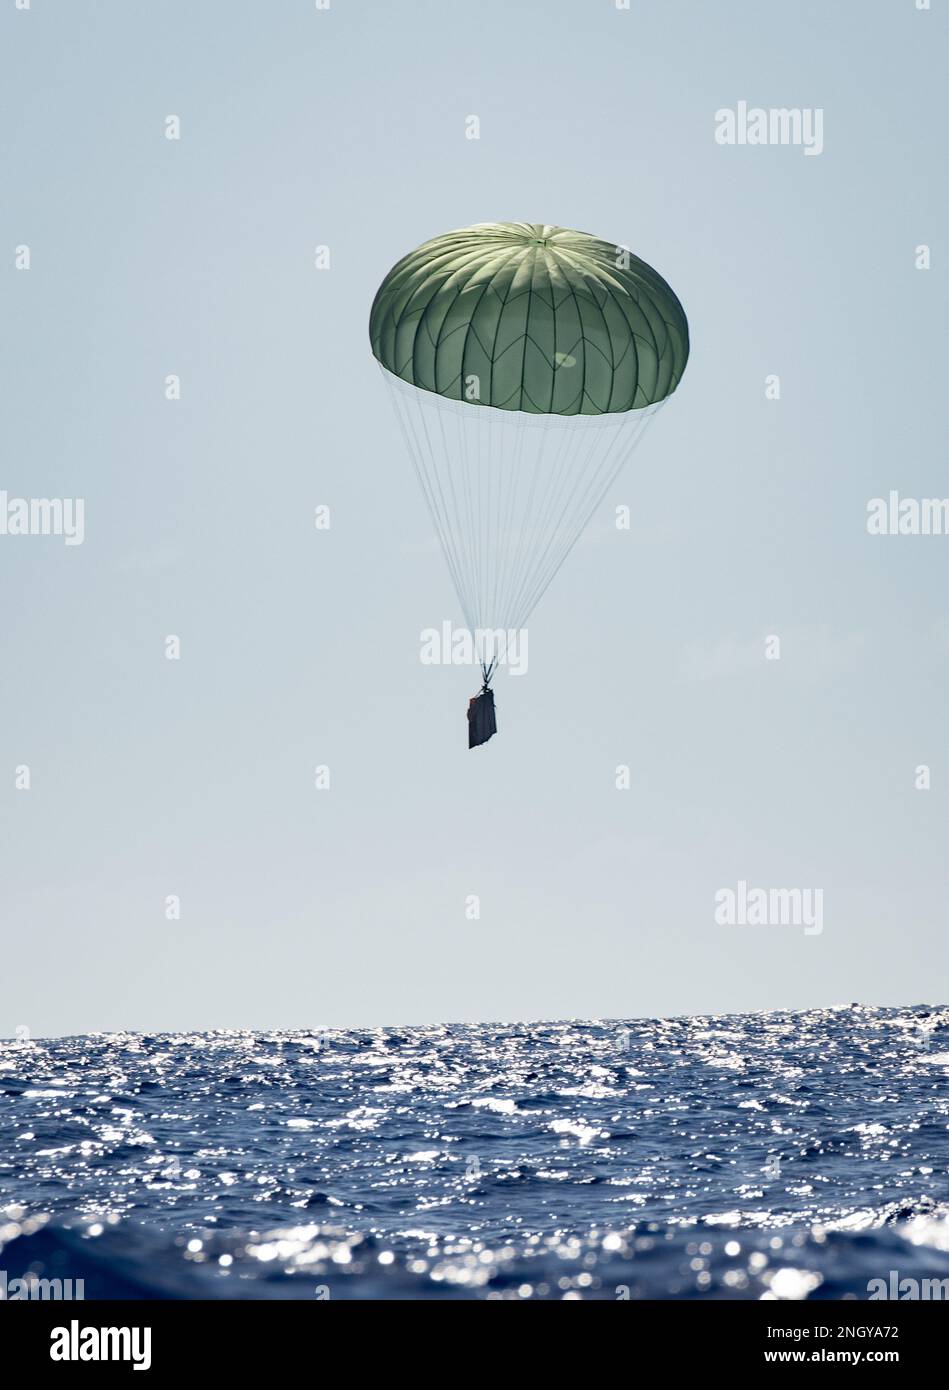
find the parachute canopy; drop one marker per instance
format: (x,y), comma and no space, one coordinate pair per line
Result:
(529,317)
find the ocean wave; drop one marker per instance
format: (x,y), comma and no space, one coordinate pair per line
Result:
(793,1155)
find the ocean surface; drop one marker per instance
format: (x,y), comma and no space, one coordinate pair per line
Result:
(780,1155)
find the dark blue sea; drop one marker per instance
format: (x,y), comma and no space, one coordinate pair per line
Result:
(778,1155)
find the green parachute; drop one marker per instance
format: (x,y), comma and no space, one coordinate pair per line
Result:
(524,362)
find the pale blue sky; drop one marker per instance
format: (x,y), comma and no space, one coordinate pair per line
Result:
(346,907)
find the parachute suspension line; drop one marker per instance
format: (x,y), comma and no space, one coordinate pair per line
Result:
(475,461)
(521,498)
(563,492)
(417,454)
(505,528)
(551,472)
(628,434)
(472,470)
(550,464)
(509,494)
(460,529)
(472,474)
(504,518)
(493,519)
(562,499)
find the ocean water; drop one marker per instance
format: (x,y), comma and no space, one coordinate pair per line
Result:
(780,1155)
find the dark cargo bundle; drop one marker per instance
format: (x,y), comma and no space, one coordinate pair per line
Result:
(482,723)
